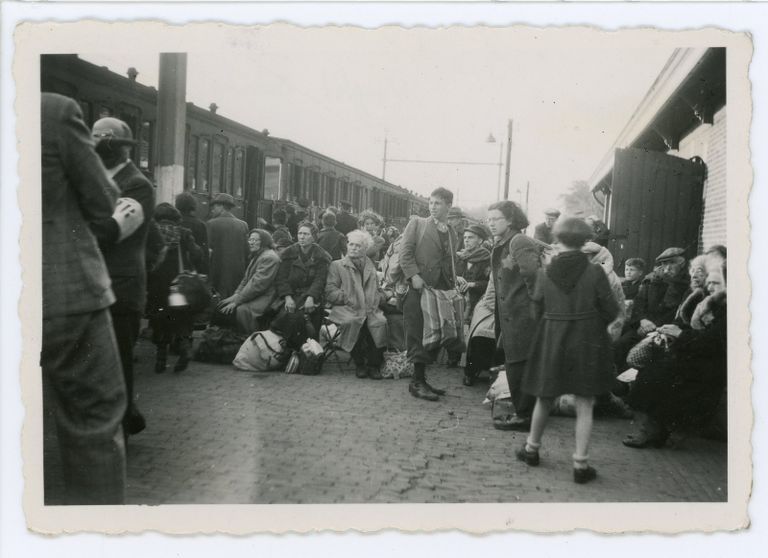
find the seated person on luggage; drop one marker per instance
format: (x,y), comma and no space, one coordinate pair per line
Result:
(681,390)
(353,292)
(256,292)
(301,278)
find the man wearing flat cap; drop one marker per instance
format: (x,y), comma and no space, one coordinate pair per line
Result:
(228,241)
(661,293)
(543,231)
(345,221)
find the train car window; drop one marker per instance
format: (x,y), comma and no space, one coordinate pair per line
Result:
(189,177)
(331,190)
(228,186)
(217,167)
(296,176)
(145,145)
(238,173)
(271,178)
(203,148)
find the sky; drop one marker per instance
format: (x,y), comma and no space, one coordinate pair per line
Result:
(434,94)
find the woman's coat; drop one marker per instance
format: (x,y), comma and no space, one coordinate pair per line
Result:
(256,291)
(355,299)
(301,279)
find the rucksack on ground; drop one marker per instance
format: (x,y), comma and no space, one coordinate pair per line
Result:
(263,351)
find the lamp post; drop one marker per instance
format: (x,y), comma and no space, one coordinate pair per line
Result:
(492,139)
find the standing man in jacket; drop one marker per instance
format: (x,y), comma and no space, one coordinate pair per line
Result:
(345,221)
(543,231)
(83,381)
(228,240)
(427,259)
(124,250)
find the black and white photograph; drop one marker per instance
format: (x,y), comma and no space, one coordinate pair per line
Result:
(283,267)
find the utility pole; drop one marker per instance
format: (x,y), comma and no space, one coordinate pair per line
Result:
(384,161)
(171,125)
(509,157)
(527,191)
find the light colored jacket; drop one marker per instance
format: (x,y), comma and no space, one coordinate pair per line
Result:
(355,300)
(256,291)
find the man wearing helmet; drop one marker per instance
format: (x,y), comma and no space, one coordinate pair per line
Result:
(122,239)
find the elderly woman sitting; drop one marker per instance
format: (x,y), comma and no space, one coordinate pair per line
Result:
(302,275)
(353,291)
(256,291)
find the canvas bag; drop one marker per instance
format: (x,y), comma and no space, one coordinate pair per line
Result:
(218,345)
(261,352)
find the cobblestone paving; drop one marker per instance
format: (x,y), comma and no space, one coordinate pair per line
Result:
(218,435)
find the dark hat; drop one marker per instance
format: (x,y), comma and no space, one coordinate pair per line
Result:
(479,230)
(223,199)
(552,212)
(669,254)
(345,203)
(113,130)
(455,211)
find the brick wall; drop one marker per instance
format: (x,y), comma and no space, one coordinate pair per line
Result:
(709,143)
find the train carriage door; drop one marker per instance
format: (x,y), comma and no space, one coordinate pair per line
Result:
(656,202)
(254,187)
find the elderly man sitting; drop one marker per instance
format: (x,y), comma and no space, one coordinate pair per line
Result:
(353,291)
(656,303)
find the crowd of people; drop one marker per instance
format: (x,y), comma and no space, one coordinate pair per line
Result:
(549,308)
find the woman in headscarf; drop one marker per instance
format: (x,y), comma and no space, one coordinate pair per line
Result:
(302,275)
(168,321)
(353,291)
(256,291)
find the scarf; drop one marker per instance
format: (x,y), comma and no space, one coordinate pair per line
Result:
(441,227)
(359,264)
(479,254)
(566,269)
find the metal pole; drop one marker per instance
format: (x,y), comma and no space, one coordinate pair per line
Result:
(498,180)
(384,166)
(509,157)
(527,191)
(171,125)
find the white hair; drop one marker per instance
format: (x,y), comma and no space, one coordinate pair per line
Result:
(363,237)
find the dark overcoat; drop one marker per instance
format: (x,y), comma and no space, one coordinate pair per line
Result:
(514,263)
(76,191)
(543,233)
(333,242)
(301,279)
(345,222)
(657,299)
(475,269)
(571,351)
(228,240)
(126,259)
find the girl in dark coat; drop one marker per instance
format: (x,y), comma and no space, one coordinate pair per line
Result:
(302,276)
(571,351)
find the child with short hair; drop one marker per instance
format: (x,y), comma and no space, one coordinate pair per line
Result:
(634,271)
(571,350)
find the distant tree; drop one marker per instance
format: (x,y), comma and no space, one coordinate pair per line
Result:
(578,201)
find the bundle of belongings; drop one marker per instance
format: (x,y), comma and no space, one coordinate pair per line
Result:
(443,320)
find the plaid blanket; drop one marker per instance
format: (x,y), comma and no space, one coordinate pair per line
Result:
(443,319)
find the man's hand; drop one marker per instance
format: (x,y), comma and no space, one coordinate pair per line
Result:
(129,216)
(290,304)
(646,326)
(227,307)
(670,330)
(461,285)
(417,282)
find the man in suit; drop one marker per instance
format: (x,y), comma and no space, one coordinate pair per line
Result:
(228,240)
(543,231)
(427,259)
(82,377)
(345,221)
(124,250)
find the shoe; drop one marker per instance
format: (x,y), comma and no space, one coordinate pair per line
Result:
(134,422)
(581,476)
(422,391)
(436,391)
(641,441)
(361,371)
(512,422)
(530,458)
(374,373)
(184,355)
(468,380)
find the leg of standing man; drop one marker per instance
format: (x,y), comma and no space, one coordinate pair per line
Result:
(126,324)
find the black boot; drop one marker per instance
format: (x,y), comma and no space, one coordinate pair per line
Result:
(160,359)
(418,386)
(185,353)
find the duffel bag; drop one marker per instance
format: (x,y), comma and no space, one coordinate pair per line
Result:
(218,345)
(261,352)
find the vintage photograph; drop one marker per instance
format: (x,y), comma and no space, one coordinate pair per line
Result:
(285,265)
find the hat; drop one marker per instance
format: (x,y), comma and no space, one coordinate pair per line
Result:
(551,212)
(223,199)
(669,254)
(455,212)
(113,130)
(478,230)
(345,203)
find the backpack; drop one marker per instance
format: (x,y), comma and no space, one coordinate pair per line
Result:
(218,345)
(261,352)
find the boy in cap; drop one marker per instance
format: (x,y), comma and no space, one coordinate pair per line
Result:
(543,231)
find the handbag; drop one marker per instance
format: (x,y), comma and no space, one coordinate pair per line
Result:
(652,347)
(188,289)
